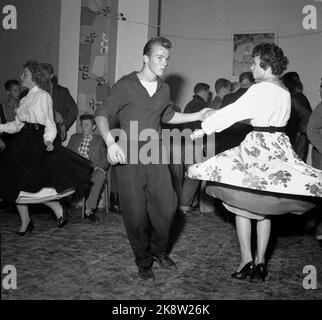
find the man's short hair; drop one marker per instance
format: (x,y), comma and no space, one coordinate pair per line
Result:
(47,67)
(222,83)
(248,76)
(163,42)
(87,116)
(13,82)
(200,86)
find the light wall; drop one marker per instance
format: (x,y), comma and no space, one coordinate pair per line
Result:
(201,33)
(69,50)
(36,37)
(132,34)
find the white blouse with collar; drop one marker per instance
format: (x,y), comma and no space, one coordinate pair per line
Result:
(264,104)
(35,107)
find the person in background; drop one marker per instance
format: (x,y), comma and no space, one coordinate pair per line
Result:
(314,133)
(222,87)
(235,86)
(191,186)
(65,107)
(92,147)
(235,134)
(9,107)
(300,113)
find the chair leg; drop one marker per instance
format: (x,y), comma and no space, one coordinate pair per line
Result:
(107,191)
(83,207)
(106,198)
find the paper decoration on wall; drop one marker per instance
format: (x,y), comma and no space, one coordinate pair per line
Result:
(85,53)
(101,81)
(100,66)
(92,104)
(90,37)
(84,68)
(95,5)
(87,16)
(105,11)
(104,44)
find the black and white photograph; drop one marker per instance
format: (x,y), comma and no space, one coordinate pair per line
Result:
(161,156)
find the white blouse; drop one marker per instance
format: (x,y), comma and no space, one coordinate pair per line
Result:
(264,104)
(35,107)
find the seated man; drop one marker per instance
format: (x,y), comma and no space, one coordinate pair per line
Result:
(91,147)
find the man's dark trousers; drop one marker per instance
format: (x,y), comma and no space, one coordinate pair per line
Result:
(147,201)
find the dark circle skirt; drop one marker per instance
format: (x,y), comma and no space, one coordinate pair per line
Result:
(25,165)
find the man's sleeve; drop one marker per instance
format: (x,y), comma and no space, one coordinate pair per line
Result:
(112,104)
(168,113)
(70,109)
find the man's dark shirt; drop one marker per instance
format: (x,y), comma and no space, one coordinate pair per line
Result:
(64,103)
(235,134)
(195,105)
(129,102)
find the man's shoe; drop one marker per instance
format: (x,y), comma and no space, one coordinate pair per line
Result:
(165,262)
(185,212)
(115,209)
(146,273)
(92,217)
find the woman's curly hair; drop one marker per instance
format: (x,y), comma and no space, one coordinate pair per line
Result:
(271,56)
(38,75)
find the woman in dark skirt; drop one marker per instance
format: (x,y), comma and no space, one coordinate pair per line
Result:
(34,169)
(263,176)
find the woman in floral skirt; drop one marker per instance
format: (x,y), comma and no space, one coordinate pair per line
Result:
(262,176)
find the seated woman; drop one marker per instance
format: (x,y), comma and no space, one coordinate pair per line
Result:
(262,176)
(32,168)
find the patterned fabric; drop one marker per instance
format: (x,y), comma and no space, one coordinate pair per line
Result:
(83,149)
(263,161)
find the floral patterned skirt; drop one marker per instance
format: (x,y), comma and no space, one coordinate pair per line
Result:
(263,175)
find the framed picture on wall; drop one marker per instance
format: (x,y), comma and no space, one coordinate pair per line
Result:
(243,45)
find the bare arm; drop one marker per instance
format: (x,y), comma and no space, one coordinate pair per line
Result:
(190,117)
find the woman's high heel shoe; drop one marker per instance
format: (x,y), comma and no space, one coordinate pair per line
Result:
(29,228)
(248,270)
(62,220)
(261,271)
